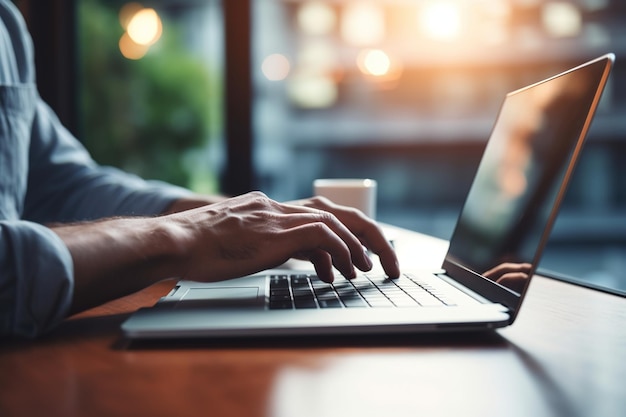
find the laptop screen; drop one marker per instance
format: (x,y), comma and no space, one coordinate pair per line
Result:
(521,179)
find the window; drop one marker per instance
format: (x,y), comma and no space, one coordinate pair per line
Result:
(150,88)
(404,92)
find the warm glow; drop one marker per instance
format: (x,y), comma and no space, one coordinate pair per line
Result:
(495,28)
(561,19)
(145,27)
(276,67)
(374,62)
(127,12)
(316,18)
(379,67)
(363,24)
(441,20)
(130,49)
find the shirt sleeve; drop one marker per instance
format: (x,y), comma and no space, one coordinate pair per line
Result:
(36,284)
(66,185)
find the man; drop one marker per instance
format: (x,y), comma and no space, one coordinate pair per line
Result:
(74,234)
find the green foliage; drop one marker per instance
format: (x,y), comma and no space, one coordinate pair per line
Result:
(144,115)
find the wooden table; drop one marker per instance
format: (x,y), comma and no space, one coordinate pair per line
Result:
(564,356)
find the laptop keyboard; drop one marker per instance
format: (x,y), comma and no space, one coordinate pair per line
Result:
(307,291)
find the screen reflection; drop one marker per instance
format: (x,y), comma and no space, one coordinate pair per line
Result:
(528,159)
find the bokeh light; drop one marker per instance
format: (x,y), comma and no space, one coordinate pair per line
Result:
(145,27)
(127,12)
(316,18)
(441,20)
(313,91)
(561,19)
(363,24)
(275,67)
(374,62)
(131,49)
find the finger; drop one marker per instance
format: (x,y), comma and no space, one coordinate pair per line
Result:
(373,238)
(322,262)
(319,237)
(358,255)
(366,229)
(387,255)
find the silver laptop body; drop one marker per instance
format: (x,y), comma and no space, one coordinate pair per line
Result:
(506,219)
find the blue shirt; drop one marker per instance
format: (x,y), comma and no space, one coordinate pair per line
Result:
(47,176)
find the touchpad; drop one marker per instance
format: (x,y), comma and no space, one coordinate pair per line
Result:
(221,297)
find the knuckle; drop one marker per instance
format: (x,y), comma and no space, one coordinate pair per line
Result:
(319,228)
(258,200)
(257,194)
(318,233)
(320,201)
(326,217)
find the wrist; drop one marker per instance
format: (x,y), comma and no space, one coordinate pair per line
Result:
(166,250)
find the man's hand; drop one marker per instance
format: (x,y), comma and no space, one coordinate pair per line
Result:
(249,233)
(221,240)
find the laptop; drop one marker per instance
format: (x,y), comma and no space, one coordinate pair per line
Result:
(492,255)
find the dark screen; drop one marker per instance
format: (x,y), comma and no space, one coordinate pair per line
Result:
(522,174)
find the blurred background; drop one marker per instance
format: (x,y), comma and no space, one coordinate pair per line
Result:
(229,96)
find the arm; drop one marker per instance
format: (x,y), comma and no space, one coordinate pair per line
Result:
(231,238)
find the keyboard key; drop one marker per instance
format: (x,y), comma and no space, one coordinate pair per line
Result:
(298,281)
(327,296)
(379,302)
(354,302)
(307,291)
(280,304)
(284,297)
(429,301)
(317,283)
(305,303)
(330,303)
(405,302)
(279,281)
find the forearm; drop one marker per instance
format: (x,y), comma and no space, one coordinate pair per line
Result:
(116,257)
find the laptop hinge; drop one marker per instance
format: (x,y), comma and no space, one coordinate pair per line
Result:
(487,288)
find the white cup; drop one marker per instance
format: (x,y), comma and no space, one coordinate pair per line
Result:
(357,193)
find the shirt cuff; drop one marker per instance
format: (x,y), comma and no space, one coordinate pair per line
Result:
(36,281)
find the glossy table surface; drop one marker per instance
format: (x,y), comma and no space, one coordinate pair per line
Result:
(564,356)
